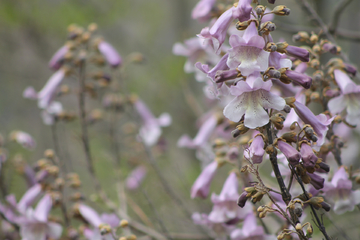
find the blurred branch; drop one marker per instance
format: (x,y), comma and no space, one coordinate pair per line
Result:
(336,16)
(340,33)
(311,11)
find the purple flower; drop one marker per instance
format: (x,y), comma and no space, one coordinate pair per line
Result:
(135,178)
(243,10)
(201,185)
(150,131)
(110,54)
(308,156)
(56,60)
(338,192)
(202,10)
(316,181)
(205,131)
(24,139)
(256,150)
(250,230)
(47,93)
(35,225)
(95,220)
(252,97)
(319,122)
(299,78)
(349,99)
(30,93)
(218,231)
(298,52)
(292,155)
(247,52)
(225,205)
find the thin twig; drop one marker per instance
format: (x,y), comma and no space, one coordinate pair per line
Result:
(336,16)
(321,24)
(318,221)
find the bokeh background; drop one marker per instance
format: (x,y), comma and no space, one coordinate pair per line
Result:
(31,31)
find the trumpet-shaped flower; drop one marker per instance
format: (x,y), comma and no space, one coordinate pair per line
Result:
(247,52)
(35,224)
(151,128)
(338,192)
(202,183)
(349,99)
(252,97)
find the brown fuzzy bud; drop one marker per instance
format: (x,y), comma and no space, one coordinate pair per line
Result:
(314,38)
(242,25)
(124,223)
(270,149)
(260,9)
(315,201)
(303,198)
(104,229)
(289,137)
(262,214)
(257,196)
(316,48)
(270,47)
(240,129)
(281,47)
(49,153)
(278,120)
(301,37)
(315,96)
(298,226)
(290,101)
(315,63)
(281,10)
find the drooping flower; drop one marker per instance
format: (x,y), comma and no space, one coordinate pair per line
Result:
(24,139)
(47,93)
(205,131)
(250,230)
(96,220)
(252,97)
(291,154)
(349,99)
(247,52)
(201,186)
(56,60)
(111,55)
(319,122)
(256,150)
(338,192)
(225,207)
(35,224)
(135,178)
(202,10)
(150,130)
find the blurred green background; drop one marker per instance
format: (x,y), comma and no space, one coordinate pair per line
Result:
(31,31)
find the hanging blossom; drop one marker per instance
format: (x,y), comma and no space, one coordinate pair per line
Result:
(247,52)
(24,139)
(252,96)
(150,130)
(35,224)
(217,33)
(349,99)
(97,221)
(338,192)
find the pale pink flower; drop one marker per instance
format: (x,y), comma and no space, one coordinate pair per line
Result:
(201,186)
(47,93)
(135,178)
(225,205)
(35,224)
(252,97)
(247,52)
(202,10)
(57,59)
(256,150)
(111,55)
(349,99)
(150,130)
(24,139)
(338,192)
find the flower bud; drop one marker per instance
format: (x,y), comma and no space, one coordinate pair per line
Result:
(289,137)
(281,10)
(240,129)
(301,37)
(290,153)
(242,199)
(123,223)
(298,226)
(260,9)
(224,75)
(278,120)
(314,38)
(242,25)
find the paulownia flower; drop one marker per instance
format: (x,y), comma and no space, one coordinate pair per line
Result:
(349,99)
(252,97)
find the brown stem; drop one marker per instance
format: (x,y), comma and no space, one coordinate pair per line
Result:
(284,191)
(318,221)
(336,16)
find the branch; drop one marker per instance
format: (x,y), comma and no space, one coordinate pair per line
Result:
(336,16)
